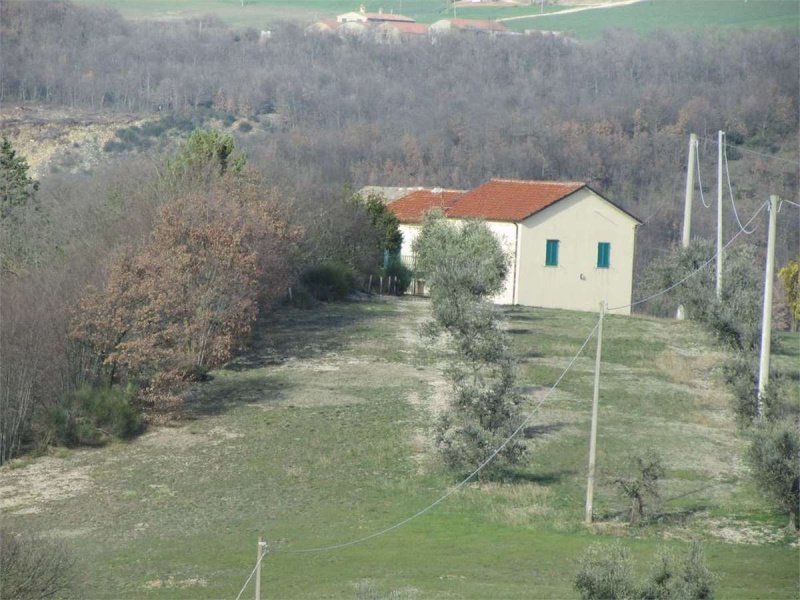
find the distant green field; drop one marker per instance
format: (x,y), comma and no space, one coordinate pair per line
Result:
(650,15)
(646,16)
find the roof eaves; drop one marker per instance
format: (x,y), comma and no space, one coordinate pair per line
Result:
(617,206)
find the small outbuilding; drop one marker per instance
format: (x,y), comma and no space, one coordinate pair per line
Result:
(569,246)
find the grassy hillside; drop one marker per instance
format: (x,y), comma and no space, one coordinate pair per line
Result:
(651,15)
(321,434)
(643,17)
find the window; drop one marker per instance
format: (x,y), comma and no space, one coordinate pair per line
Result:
(551,257)
(603,255)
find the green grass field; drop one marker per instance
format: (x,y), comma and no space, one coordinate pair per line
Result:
(644,17)
(651,15)
(321,434)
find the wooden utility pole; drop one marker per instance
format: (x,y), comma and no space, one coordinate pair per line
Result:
(688,198)
(595,399)
(720,150)
(260,556)
(766,311)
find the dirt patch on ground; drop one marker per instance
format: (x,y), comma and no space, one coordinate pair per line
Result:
(171,582)
(172,438)
(67,140)
(736,533)
(22,491)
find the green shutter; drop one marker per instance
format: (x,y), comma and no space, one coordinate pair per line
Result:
(551,257)
(603,255)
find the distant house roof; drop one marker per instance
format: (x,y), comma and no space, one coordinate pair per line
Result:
(407,28)
(413,207)
(388,17)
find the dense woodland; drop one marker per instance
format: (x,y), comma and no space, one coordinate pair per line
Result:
(336,112)
(89,258)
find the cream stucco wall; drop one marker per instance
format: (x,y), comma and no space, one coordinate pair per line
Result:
(579,222)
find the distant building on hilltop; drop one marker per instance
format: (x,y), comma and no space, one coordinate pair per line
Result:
(470,25)
(570,247)
(362,16)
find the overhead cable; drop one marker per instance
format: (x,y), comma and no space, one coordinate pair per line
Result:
(464,481)
(747,150)
(693,273)
(446,495)
(730,191)
(253,572)
(699,180)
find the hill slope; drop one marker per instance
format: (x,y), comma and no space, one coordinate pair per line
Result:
(321,434)
(644,16)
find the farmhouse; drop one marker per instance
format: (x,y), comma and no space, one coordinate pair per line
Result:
(569,246)
(471,25)
(362,16)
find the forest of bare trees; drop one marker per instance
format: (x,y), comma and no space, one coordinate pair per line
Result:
(331,115)
(334,112)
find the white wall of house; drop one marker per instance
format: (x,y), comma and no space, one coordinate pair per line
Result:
(352,17)
(506,233)
(410,233)
(579,223)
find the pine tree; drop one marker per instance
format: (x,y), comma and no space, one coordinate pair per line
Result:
(17,203)
(17,188)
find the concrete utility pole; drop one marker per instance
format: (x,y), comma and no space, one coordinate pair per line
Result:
(595,399)
(689,197)
(262,548)
(766,311)
(720,150)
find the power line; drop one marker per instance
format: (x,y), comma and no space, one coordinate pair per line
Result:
(446,495)
(464,481)
(730,191)
(253,572)
(700,181)
(790,202)
(693,273)
(508,440)
(747,150)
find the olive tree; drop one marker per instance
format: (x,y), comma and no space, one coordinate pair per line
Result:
(773,456)
(465,266)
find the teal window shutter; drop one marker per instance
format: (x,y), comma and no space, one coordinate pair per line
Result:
(551,257)
(603,255)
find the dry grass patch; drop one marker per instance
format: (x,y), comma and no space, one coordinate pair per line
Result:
(22,491)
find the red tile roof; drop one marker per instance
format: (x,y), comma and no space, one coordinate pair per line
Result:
(510,199)
(409,28)
(477,25)
(413,207)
